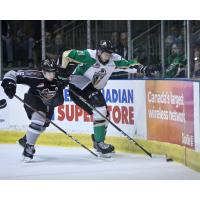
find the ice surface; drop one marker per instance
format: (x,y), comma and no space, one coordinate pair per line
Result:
(77,164)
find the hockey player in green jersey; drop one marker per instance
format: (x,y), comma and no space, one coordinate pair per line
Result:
(89,76)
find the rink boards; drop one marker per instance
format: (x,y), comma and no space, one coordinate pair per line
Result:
(160,110)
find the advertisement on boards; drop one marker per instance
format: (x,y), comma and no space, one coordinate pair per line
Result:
(120,97)
(170,112)
(125,100)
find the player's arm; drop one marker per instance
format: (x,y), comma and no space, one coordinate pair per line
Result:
(12,78)
(129,66)
(75,56)
(70,60)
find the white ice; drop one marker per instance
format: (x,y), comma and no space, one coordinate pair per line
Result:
(78,164)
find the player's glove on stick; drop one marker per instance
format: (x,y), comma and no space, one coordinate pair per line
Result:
(9,87)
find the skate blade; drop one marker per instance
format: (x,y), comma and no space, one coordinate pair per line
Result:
(106,155)
(26,159)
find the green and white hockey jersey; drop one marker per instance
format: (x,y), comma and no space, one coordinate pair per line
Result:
(89,67)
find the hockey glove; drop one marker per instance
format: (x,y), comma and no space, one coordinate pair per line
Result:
(9,87)
(140,68)
(146,70)
(62,77)
(63,74)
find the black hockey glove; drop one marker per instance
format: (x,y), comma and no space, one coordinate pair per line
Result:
(9,87)
(146,70)
(140,68)
(62,77)
(63,74)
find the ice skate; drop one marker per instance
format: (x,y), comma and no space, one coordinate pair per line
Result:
(104,150)
(28,152)
(22,141)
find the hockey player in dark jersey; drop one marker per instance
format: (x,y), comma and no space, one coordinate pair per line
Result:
(44,94)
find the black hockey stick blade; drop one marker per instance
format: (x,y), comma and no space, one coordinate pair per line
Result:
(3,103)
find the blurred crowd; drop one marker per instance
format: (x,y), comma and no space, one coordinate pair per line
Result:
(21,41)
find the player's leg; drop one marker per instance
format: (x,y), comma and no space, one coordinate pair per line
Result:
(94,97)
(35,103)
(36,126)
(100,124)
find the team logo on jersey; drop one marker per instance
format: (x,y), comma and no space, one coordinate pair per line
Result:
(98,76)
(47,94)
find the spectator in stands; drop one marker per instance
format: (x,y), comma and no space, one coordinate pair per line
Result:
(196,73)
(48,38)
(57,48)
(124,45)
(24,44)
(139,55)
(49,45)
(122,50)
(140,58)
(195,26)
(115,42)
(29,44)
(175,36)
(7,40)
(176,62)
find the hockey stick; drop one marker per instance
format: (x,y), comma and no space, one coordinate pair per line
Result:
(3,103)
(58,127)
(118,75)
(122,132)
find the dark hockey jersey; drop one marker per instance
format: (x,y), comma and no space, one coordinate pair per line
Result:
(51,93)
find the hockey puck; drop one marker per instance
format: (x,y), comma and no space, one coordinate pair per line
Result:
(3,103)
(169,159)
